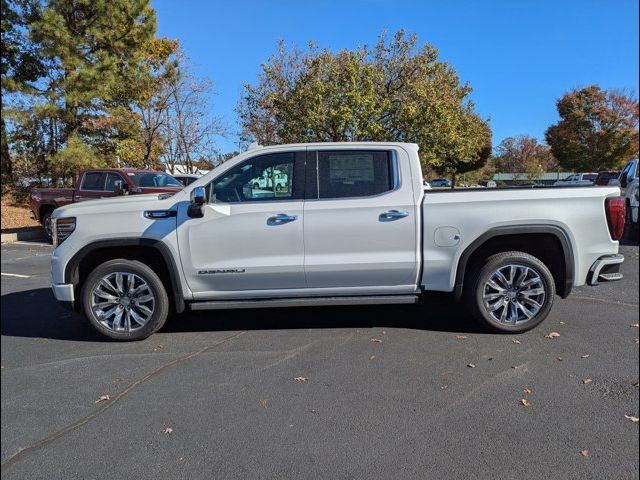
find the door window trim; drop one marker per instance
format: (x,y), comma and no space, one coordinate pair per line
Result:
(314,178)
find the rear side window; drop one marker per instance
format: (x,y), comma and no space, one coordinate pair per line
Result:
(354,173)
(111,181)
(93,181)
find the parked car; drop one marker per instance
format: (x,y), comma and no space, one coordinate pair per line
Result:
(576,180)
(628,182)
(356,227)
(488,183)
(440,182)
(186,178)
(607,178)
(100,183)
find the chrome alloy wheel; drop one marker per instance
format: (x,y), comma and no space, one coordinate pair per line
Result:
(123,302)
(513,294)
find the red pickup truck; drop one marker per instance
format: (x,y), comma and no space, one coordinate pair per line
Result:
(100,183)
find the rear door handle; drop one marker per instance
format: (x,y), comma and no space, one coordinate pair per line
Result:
(281,219)
(393,215)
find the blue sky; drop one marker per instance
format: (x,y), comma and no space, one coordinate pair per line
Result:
(519,56)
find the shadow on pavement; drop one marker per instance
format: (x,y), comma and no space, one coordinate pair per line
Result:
(35,314)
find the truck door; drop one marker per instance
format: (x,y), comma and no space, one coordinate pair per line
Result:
(360,223)
(91,186)
(250,237)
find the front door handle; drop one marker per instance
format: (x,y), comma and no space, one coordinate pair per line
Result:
(281,219)
(393,215)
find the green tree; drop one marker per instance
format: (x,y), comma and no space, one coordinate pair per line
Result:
(395,91)
(525,156)
(597,130)
(19,64)
(92,58)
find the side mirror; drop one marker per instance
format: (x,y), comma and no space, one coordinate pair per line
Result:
(624,180)
(118,187)
(198,199)
(198,195)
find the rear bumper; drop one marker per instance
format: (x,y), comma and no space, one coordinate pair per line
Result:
(606,269)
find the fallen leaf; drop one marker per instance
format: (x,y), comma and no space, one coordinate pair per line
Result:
(471,365)
(636,340)
(552,335)
(586,381)
(103,398)
(263,403)
(584,453)
(384,332)
(633,418)
(561,323)
(559,359)
(158,348)
(516,342)
(376,340)
(636,325)
(444,387)
(167,430)
(300,379)
(586,355)
(372,357)
(525,402)
(461,337)
(527,390)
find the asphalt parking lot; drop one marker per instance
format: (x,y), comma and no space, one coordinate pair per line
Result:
(381,392)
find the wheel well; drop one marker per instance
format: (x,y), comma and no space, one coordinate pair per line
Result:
(145,254)
(544,246)
(44,209)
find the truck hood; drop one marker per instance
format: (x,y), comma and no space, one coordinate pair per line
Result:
(127,203)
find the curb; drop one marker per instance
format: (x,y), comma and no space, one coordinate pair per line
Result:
(25,235)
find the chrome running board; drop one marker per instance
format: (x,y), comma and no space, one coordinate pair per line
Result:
(304,302)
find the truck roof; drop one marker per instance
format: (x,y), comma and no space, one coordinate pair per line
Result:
(411,146)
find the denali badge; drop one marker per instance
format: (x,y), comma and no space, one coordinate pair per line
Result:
(222,270)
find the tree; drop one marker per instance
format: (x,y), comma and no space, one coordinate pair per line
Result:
(525,156)
(188,128)
(597,130)
(19,64)
(394,91)
(89,59)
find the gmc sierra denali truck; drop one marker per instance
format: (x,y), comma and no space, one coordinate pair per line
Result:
(101,183)
(352,225)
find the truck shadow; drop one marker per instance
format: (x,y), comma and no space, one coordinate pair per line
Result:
(35,314)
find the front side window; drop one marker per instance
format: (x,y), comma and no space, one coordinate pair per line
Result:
(111,181)
(269,177)
(153,180)
(354,173)
(93,181)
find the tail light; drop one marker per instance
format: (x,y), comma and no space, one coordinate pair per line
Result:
(615,209)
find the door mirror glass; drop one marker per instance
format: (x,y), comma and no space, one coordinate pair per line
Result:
(198,196)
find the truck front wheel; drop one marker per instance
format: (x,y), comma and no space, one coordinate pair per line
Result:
(125,300)
(511,292)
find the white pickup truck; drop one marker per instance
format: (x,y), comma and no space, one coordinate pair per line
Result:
(353,225)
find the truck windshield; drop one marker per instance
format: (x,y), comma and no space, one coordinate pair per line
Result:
(153,179)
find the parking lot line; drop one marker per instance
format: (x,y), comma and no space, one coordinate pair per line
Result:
(17,275)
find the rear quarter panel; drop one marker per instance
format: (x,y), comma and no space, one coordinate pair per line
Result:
(579,212)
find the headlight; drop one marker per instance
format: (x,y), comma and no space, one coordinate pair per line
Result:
(61,228)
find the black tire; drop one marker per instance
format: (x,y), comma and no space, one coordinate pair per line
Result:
(46,224)
(474,290)
(161,300)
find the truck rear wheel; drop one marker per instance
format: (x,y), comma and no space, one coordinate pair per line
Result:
(125,300)
(46,225)
(512,292)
